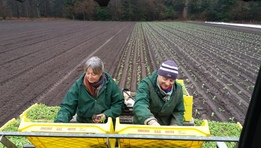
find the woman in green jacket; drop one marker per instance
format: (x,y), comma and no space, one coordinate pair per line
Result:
(159,99)
(94,97)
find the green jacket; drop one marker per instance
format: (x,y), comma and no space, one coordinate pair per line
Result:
(150,105)
(78,100)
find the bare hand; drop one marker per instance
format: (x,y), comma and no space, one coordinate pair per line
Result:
(100,118)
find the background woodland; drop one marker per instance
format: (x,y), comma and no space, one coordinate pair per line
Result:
(133,10)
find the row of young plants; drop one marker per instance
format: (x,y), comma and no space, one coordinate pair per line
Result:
(222,38)
(221,54)
(135,64)
(228,52)
(123,69)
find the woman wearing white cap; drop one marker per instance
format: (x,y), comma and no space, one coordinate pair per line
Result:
(159,99)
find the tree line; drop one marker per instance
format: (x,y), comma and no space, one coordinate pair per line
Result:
(133,10)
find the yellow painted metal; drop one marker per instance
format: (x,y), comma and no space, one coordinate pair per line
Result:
(188,103)
(72,128)
(239,125)
(7,123)
(27,110)
(202,130)
(183,86)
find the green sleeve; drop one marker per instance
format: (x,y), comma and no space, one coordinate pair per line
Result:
(117,102)
(178,113)
(68,105)
(142,103)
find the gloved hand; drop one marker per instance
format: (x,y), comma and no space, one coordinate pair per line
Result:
(153,123)
(100,118)
(129,102)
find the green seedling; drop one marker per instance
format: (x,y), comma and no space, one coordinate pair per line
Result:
(102,120)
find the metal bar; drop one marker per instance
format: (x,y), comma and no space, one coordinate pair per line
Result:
(7,142)
(124,136)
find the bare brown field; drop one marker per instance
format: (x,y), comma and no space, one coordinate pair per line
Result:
(41,59)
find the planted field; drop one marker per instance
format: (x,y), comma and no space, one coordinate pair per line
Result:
(41,59)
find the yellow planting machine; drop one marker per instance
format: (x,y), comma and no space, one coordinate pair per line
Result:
(123,134)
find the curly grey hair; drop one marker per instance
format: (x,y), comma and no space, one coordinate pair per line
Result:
(96,64)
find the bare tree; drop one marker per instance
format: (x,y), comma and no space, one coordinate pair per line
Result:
(17,9)
(16,4)
(85,8)
(116,9)
(185,10)
(37,4)
(3,8)
(46,8)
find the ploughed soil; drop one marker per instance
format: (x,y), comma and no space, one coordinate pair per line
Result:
(40,60)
